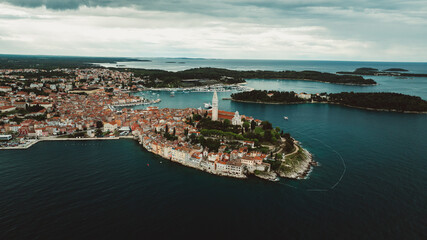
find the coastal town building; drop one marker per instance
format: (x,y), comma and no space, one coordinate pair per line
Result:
(83,105)
(237,120)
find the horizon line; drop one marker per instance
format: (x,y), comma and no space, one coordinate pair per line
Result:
(206,58)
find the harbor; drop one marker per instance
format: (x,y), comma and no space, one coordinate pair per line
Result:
(209,88)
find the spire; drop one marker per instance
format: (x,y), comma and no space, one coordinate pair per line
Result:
(215,97)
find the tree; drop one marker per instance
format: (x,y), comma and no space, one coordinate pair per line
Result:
(268,136)
(227,122)
(174,132)
(98,133)
(99,124)
(167,128)
(197,117)
(253,125)
(266,125)
(246,125)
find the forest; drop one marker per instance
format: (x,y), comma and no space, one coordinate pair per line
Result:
(375,100)
(233,76)
(380,100)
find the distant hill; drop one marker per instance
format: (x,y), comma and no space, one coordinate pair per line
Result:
(51,62)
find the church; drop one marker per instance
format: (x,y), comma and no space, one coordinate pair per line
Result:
(220,115)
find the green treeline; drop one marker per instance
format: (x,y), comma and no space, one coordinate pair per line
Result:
(377,100)
(380,100)
(234,76)
(268,96)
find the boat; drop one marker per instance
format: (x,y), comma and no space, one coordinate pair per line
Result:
(286,118)
(172,94)
(207,105)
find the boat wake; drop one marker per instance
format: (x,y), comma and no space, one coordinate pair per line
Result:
(342,173)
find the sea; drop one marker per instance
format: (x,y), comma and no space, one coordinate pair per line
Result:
(371,182)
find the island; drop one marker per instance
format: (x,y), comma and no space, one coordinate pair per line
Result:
(378,101)
(367,71)
(207,75)
(395,70)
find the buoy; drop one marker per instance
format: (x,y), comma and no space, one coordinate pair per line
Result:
(148,164)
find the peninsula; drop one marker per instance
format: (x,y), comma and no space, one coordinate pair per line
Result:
(82,104)
(223,143)
(379,101)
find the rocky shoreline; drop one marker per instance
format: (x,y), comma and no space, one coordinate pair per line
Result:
(302,169)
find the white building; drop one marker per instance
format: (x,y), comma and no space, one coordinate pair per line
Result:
(5,137)
(237,120)
(109,127)
(5,89)
(305,96)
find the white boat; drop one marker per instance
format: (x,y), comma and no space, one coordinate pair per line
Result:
(207,105)
(286,118)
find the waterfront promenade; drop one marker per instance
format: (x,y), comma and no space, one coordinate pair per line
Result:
(32,142)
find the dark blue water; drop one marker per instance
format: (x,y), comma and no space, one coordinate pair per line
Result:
(105,189)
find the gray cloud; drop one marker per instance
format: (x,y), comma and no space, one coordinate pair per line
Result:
(214,5)
(313,28)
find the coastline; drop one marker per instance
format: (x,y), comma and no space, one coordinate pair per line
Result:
(300,170)
(196,166)
(242,84)
(334,103)
(312,80)
(35,141)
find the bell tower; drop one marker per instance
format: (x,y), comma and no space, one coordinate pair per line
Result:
(215,107)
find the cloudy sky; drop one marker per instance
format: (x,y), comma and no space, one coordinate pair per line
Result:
(380,30)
